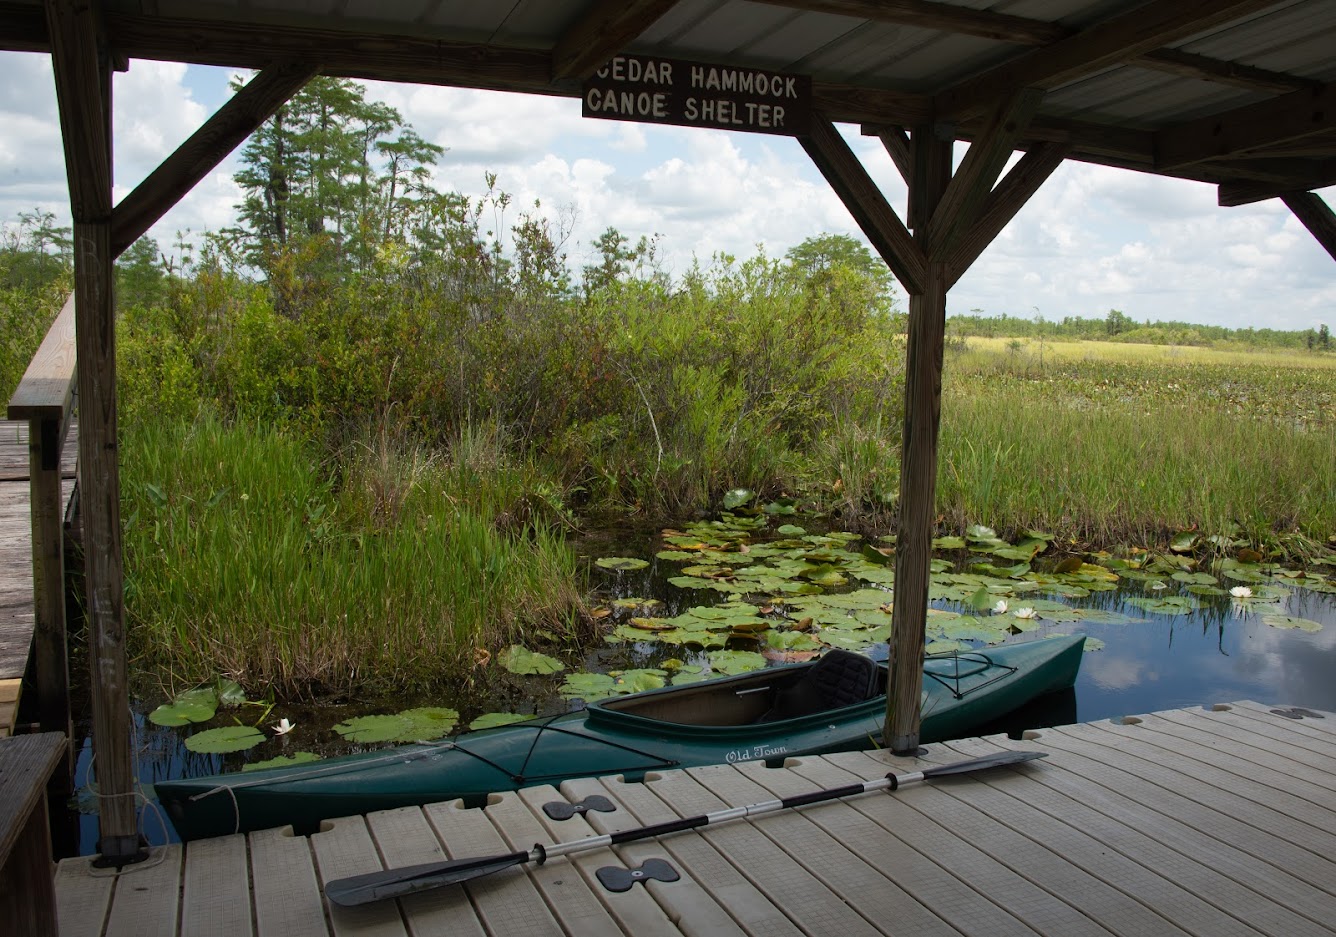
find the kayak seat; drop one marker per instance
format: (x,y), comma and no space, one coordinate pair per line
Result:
(837,679)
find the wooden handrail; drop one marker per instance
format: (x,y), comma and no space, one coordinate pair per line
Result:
(45,398)
(47,389)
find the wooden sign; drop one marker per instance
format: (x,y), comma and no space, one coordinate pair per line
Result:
(652,90)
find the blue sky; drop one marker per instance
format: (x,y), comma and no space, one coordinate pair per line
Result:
(1091,240)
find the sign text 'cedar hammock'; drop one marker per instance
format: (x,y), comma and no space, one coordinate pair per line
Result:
(696,94)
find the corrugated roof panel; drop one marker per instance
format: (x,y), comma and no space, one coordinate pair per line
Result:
(1143,98)
(1077,14)
(392,11)
(681,18)
(947,58)
(537,23)
(468,22)
(729,28)
(860,51)
(795,38)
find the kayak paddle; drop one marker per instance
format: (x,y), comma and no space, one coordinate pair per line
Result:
(394,883)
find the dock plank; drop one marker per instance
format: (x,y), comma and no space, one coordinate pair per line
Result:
(964,909)
(82,898)
(1100,900)
(1274,772)
(1319,731)
(145,901)
(1193,870)
(342,848)
(724,901)
(404,837)
(1200,806)
(774,870)
(567,882)
(1092,784)
(1302,823)
(1244,739)
(507,902)
(216,896)
(844,867)
(939,844)
(288,902)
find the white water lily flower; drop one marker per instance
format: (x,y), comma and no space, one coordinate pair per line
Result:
(1000,607)
(283,727)
(1026,612)
(1241,592)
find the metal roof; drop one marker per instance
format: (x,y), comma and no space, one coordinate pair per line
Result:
(1188,105)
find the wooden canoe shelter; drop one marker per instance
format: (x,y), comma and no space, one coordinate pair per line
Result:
(1234,93)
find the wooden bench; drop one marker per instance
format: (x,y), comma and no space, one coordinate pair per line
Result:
(27,887)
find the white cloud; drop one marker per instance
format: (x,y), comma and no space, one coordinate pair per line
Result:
(1091,239)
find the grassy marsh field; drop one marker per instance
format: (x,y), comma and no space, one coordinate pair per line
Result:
(1109,443)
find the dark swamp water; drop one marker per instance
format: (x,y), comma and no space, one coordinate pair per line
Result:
(1163,642)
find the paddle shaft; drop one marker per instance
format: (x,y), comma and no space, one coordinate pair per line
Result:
(392,883)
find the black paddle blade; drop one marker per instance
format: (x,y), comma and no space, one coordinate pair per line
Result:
(395,883)
(560,810)
(982,764)
(616,879)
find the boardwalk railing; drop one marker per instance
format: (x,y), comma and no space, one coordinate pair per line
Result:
(45,398)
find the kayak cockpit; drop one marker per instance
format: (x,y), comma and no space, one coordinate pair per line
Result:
(836,680)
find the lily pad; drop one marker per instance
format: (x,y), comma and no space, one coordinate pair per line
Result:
(226,739)
(729,662)
(426,723)
(230,693)
(620,563)
(521,660)
(492,720)
(371,728)
(191,706)
(1169,605)
(282,761)
(1291,622)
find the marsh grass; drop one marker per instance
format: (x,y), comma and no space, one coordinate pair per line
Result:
(1107,447)
(242,556)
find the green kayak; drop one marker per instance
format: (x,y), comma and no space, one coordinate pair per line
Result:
(836,703)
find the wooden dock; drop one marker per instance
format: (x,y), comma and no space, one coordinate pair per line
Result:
(16,578)
(1189,822)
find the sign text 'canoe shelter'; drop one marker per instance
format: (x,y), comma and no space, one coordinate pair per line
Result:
(695,94)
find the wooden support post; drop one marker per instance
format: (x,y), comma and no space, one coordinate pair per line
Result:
(918,455)
(82,71)
(1316,216)
(931,166)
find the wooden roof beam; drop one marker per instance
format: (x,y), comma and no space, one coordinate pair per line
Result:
(1280,120)
(1112,42)
(866,203)
(1246,191)
(253,104)
(1009,197)
(897,145)
(1317,217)
(979,170)
(600,33)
